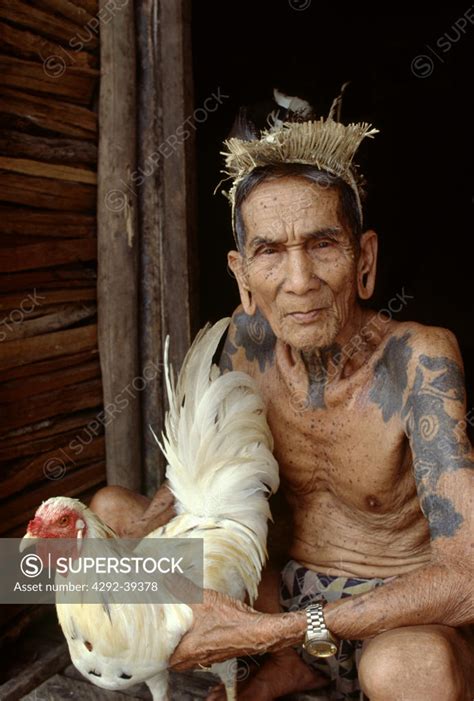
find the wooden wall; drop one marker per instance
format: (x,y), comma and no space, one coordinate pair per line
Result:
(51,392)
(80,232)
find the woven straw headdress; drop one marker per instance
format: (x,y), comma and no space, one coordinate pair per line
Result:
(326,144)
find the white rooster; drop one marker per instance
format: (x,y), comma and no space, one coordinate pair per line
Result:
(221,471)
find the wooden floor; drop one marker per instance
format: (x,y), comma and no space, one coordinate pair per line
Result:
(71,685)
(37,667)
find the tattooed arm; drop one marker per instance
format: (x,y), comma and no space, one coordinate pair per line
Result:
(432,408)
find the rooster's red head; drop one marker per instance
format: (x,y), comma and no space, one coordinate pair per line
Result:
(58,517)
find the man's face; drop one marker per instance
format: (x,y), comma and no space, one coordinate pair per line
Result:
(299,264)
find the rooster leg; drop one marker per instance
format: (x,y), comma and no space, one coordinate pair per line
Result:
(227,671)
(158,686)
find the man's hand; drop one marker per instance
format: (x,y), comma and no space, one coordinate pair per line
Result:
(220,631)
(224,628)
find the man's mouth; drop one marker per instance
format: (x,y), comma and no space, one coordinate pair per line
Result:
(305,317)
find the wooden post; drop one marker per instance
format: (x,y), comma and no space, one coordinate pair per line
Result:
(165,197)
(118,250)
(179,176)
(149,197)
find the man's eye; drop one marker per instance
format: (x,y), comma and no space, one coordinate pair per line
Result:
(323,244)
(268,250)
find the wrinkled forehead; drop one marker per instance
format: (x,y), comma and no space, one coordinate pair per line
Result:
(295,203)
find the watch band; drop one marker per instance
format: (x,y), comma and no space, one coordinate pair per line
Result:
(315,620)
(319,641)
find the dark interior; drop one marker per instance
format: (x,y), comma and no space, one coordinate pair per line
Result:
(420,192)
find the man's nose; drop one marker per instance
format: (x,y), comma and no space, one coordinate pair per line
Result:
(300,275)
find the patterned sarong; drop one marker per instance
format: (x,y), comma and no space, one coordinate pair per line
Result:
(300,587)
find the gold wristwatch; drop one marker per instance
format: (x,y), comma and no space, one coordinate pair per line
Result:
(318,641)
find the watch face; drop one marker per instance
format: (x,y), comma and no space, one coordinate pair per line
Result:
(320,648)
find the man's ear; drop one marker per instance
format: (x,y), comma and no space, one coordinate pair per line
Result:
(236,264)
(367,264)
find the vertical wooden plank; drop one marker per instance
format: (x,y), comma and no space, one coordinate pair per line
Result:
(163,186)
(118,250)
(149,193)
(179,172)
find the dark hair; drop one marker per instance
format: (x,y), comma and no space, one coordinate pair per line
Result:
(348,208)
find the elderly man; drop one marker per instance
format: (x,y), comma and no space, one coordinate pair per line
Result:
(368,419)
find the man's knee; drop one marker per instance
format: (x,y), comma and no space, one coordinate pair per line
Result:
(414,664)
(119,507)
(107,500)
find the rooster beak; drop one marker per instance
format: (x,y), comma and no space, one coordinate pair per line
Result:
(26,541)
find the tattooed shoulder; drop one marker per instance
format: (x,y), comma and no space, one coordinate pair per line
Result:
(391,375)
(250,337)
(412,344)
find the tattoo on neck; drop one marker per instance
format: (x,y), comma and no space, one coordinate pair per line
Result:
(317,364)
(254,334)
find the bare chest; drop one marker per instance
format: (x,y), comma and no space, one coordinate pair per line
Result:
(341,449)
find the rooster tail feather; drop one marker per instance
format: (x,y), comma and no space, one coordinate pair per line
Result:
(216,440)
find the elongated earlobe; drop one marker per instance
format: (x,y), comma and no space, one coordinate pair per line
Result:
(367,265)
(247,300)
(234,260)
(363,286)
